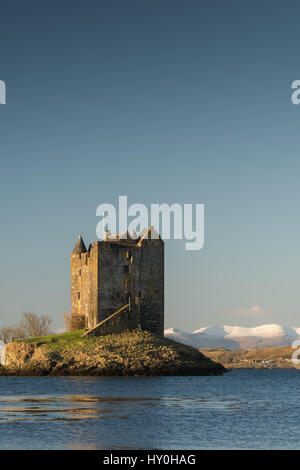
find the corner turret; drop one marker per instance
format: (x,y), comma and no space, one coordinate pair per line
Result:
(80,246)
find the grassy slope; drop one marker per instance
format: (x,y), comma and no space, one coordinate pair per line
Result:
(130,353)
(68,338)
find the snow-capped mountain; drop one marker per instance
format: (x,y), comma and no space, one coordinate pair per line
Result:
(233,337)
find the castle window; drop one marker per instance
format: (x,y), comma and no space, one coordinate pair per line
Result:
(79,272)
(128,283)
(78,295)
(126,269)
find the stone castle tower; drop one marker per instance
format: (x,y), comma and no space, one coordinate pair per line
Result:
(116,272)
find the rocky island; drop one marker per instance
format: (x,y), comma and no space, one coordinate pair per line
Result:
(135,353)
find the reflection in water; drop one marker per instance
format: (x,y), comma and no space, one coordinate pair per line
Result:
(86,407)
(91,407)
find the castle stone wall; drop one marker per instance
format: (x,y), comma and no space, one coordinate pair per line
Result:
(152,286)
(103,279)
(126,320)
(84,290)
(115,284)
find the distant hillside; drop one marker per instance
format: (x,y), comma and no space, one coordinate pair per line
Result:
(130,353)
(279,357)
(236,337)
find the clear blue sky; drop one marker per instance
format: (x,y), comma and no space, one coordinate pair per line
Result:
(164,101)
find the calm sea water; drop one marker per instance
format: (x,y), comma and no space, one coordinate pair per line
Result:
(244,409)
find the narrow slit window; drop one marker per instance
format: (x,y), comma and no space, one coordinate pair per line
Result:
(78,295)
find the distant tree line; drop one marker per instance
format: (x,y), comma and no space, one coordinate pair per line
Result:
(30,326)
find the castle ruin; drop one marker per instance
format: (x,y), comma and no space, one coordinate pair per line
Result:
(117,284)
